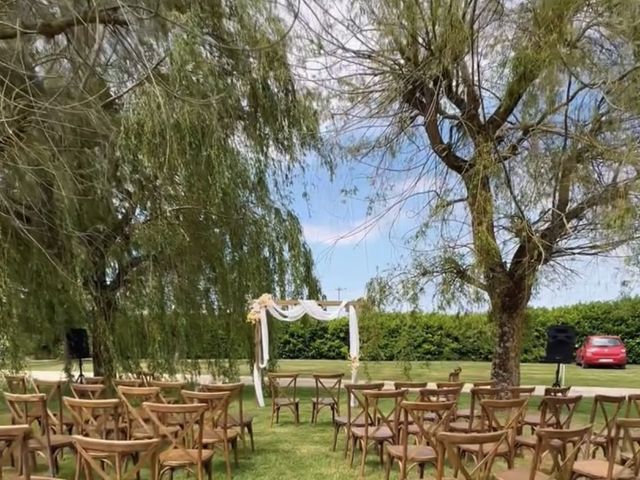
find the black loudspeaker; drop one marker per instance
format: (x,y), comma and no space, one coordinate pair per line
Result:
(78,344)
(561,344)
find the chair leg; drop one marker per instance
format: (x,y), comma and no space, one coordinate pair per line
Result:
(387,467)
(352,444)
(336,429)
(297,408)
(381,453)
(250,431)
(421,470)
(234,445)
(363,460)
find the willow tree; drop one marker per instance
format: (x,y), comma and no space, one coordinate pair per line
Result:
(147,149)
(508,129)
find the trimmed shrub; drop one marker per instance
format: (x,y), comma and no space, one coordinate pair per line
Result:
(437,336)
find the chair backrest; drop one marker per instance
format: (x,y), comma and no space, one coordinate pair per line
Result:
(383,407)
(355,395)
(454,376)
(126,382)
(633,406)
(94,380)
(95,418)
(627,433)
(87,391)
(133,399)
(557,412)
(428,419)
(556,391)
(169,390)
(188,438)
(328,386)
(16,440)
(53,390)
(521,392)
(236,391)
(562,447)
(126,457)
(412,388)
(16,383)
(216,416)
(604,412)
(283,385)
(440,394)
(485,384)
(488,445)
(482,393)
(31,410)
(504,415)
(459,385)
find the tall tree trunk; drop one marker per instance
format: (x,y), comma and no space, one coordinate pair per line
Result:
(102,325)
(505,368)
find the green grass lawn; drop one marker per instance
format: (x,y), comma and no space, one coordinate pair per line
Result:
(301,452)
(532,373)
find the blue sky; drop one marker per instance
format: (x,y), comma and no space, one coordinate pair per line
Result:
(349,250)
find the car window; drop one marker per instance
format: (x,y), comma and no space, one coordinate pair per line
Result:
(605,342)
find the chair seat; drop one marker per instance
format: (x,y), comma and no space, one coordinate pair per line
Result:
(375,433)
(463,413)
(216,436)
(179,458)
(601,439)
(246,420)
(596,468)
(503,447)
(56,441)
(526,441)
(463,425)
(343,420)
(415,453)
(323,401)
(283,402)
(532,419)
(520,474)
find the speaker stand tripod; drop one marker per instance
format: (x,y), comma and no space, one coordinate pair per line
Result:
(559,375)
(80,377)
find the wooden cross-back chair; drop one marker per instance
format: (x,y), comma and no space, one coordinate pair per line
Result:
(471,418)
(383,408)
(16,446)
(98,419)
(87,391)
(505,416)
(236,416)
(169,390)
(137,421)
(217,432)
(101,418)
(185,449)
(283,388)
(44,440)
(356,415)
(456,384)
(622,460)
(16,383)
(532,420)
(555,412)
(439,394)
(562,447)
(413,389)
(485,384)
(605,409)
(414,424)
(454,375)
(487,445)
(328,388)
(53,390)
(125,457)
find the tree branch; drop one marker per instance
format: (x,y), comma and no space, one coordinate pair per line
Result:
(53,28)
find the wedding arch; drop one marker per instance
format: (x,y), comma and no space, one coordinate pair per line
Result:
(290,311)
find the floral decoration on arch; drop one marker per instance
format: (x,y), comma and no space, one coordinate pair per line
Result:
(255,311)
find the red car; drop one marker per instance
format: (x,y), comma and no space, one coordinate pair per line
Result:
(602,350)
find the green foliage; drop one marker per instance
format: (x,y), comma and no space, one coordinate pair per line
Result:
(434,336)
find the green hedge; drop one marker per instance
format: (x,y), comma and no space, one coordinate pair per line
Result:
(435,336)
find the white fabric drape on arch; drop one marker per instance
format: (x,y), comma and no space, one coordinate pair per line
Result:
(304,307)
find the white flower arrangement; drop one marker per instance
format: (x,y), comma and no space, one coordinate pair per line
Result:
(255,311)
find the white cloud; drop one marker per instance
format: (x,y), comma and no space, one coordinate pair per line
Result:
(349,234)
